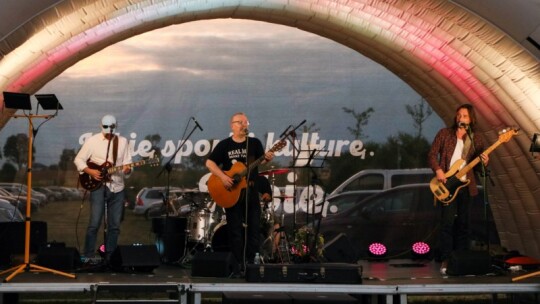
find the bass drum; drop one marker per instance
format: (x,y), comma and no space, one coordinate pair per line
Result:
(220,237)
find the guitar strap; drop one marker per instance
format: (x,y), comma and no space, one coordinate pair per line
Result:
(466,146)
(115,150)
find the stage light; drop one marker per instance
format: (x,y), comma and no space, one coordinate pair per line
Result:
(377,249)
(421,250)
(101,251)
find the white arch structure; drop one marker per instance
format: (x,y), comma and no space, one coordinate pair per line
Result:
(447,54)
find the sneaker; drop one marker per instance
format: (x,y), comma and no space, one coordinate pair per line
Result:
(444,267)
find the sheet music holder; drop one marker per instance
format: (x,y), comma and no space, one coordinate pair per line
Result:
(310,158)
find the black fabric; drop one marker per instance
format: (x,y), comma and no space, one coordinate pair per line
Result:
(339,249)
(227,151)
(59,258)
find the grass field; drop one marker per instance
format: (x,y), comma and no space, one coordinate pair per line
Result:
(67,221)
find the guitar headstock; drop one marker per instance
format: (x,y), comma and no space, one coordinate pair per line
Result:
(507,133)
(154,161)
(278,146)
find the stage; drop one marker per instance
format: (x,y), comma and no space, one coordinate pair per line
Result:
(392,281)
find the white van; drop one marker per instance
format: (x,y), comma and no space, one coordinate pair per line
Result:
(371,181)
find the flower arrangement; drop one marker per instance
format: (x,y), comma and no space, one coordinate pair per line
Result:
(303,238)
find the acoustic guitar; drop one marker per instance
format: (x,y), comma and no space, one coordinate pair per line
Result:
(447,192)
(227,198)
(106,169)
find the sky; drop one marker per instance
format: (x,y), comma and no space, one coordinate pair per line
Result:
(155,83)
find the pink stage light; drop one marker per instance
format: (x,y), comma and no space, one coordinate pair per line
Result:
(377,249)
(420,248)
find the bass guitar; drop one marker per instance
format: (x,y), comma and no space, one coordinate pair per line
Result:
(447,192)
(227,198)
(106,169)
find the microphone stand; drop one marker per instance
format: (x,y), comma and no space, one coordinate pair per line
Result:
(291,135)
(168,167)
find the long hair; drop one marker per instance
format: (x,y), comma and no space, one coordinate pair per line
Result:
(469,107)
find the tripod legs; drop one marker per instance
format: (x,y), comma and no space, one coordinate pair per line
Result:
(32,267)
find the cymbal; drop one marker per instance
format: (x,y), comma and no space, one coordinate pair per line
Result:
(274,171)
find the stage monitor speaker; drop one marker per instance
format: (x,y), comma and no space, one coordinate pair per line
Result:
(59,257)
(13,233)
(467,262)
(339,250)
(212,264)
(135,258)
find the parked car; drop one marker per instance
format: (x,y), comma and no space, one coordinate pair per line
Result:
(148,196)
(19,200)
(9,213)
(182,202)
(52,196)
(369,182)
(21,190)
(399,217)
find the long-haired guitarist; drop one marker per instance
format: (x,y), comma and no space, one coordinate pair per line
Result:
(99,152)
(451,146)
(227,163)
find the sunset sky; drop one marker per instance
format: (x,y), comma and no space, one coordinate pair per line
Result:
(153,83)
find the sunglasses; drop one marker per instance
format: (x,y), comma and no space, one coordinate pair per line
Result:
(111,126)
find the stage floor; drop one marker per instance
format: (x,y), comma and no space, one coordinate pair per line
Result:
(388,279)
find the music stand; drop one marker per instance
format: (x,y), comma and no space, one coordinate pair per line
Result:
(21,101)
(311,158)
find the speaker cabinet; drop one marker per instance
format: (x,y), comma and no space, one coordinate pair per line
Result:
(13,233)
(170,237)
(466,262)
(339,250)
(59,257)
(135,258)
(212,264)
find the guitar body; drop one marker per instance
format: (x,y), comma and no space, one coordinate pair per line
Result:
(447,192)
(224,197)
(106,169)
(91,184)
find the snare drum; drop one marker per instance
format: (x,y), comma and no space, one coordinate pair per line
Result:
(199,225)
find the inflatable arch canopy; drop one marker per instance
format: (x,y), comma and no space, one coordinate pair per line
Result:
(444,52)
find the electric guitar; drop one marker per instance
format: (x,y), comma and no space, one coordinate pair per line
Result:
(447,192)
(227,198)
(90,184)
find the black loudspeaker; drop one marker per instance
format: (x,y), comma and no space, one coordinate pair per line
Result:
(212,264)
(255,297)
(135,258)
(466,262)
(59,257)
(170,237)
(13,233)
(340,250)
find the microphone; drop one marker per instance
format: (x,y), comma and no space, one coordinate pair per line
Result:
(246,130)
(197,123)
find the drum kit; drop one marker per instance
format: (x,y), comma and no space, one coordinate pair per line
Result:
(206,228)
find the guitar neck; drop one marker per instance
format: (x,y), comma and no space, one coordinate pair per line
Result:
(113,170)
(476,160)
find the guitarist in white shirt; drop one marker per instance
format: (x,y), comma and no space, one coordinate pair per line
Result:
(223,158)
(100,149)
(450,145)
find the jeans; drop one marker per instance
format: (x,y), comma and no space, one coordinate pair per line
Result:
(115,206)
(454,233)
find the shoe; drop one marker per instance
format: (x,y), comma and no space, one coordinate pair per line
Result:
(444,267)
